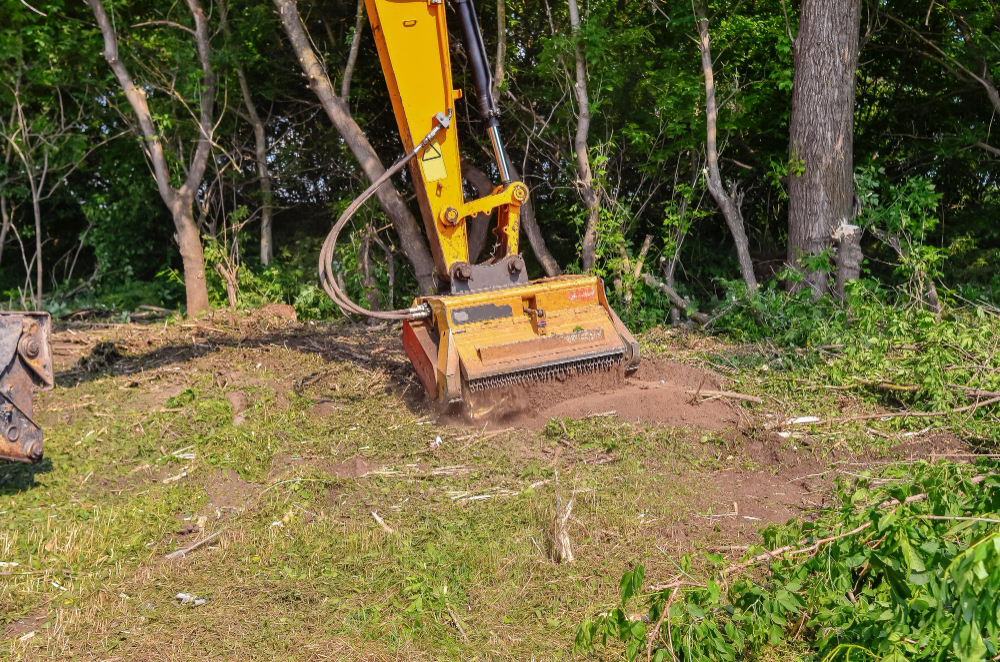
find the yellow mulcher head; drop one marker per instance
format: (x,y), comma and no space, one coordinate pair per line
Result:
(532,332)
(493,328)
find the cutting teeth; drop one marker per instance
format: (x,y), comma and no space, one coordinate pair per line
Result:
(545,373)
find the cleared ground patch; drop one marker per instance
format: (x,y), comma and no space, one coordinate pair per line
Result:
(289,439)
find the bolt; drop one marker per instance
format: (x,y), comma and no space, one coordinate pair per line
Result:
(462,271)
(516,264)
(13,433)
(520,193)
(34,452)
(31,348)
(451,216)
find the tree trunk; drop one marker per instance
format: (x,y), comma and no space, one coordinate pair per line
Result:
(179,201)
(192,255)
(585,178)
(260,154)
(367,278)
(5,227)
(849,256)
(478,226)
(501,62)
(352,54)
(530,226)
(728,201)
(821,162)
(410,237)
(36,209)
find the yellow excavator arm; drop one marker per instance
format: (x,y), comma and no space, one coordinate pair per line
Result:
(412,41)
(490,327)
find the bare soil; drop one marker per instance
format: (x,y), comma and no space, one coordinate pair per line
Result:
(227,492)
(660,392)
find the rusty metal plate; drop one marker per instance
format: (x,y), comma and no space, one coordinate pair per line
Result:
(26,357)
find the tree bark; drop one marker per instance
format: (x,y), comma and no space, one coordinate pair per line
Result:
(499,70)
(37,210)
(411,239)
(5,219)
(478,226)
(821,161)
(367,278)
(849,256)
(479,231)
(180,201)
(352,54)
(260,154)
(585,177)
(529,223)
(728,201)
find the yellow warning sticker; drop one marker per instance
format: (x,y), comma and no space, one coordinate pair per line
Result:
(432,163)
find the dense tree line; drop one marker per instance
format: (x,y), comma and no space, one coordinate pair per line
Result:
(688,152)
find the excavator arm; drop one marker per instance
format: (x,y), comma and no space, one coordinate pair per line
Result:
(412,41)
(490,328)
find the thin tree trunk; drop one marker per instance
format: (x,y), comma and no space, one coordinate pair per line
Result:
(585,177)
(37,210)
(728,201)
(411,239)
(5,217)
(180,201)
(499,70)
(529,223)
(821,161)
(352,55)
(367,279)
(260,153)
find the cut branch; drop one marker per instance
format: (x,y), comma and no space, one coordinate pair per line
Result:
(676,300)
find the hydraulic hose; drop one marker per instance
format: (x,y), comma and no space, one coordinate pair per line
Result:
(326,272)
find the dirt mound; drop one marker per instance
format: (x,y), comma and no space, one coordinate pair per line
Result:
(660,391)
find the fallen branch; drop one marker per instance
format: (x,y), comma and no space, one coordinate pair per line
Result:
(675,299)
(461,630)
(381,522)
(917,414)
(190,548)
(665,614)
(791,550)
(728,394)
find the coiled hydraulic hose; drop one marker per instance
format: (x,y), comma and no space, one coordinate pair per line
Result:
(326,256)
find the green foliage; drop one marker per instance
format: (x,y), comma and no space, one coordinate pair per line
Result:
(902,568)
(904,215)
(288,279)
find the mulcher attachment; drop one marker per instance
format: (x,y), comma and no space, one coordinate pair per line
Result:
(26,356)
(538,331)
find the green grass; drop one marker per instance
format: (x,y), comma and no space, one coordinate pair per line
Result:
(302,568)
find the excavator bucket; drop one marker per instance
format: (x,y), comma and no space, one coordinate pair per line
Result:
(538,331)
(26,356)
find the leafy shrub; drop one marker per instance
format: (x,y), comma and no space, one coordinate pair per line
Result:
(908,572)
